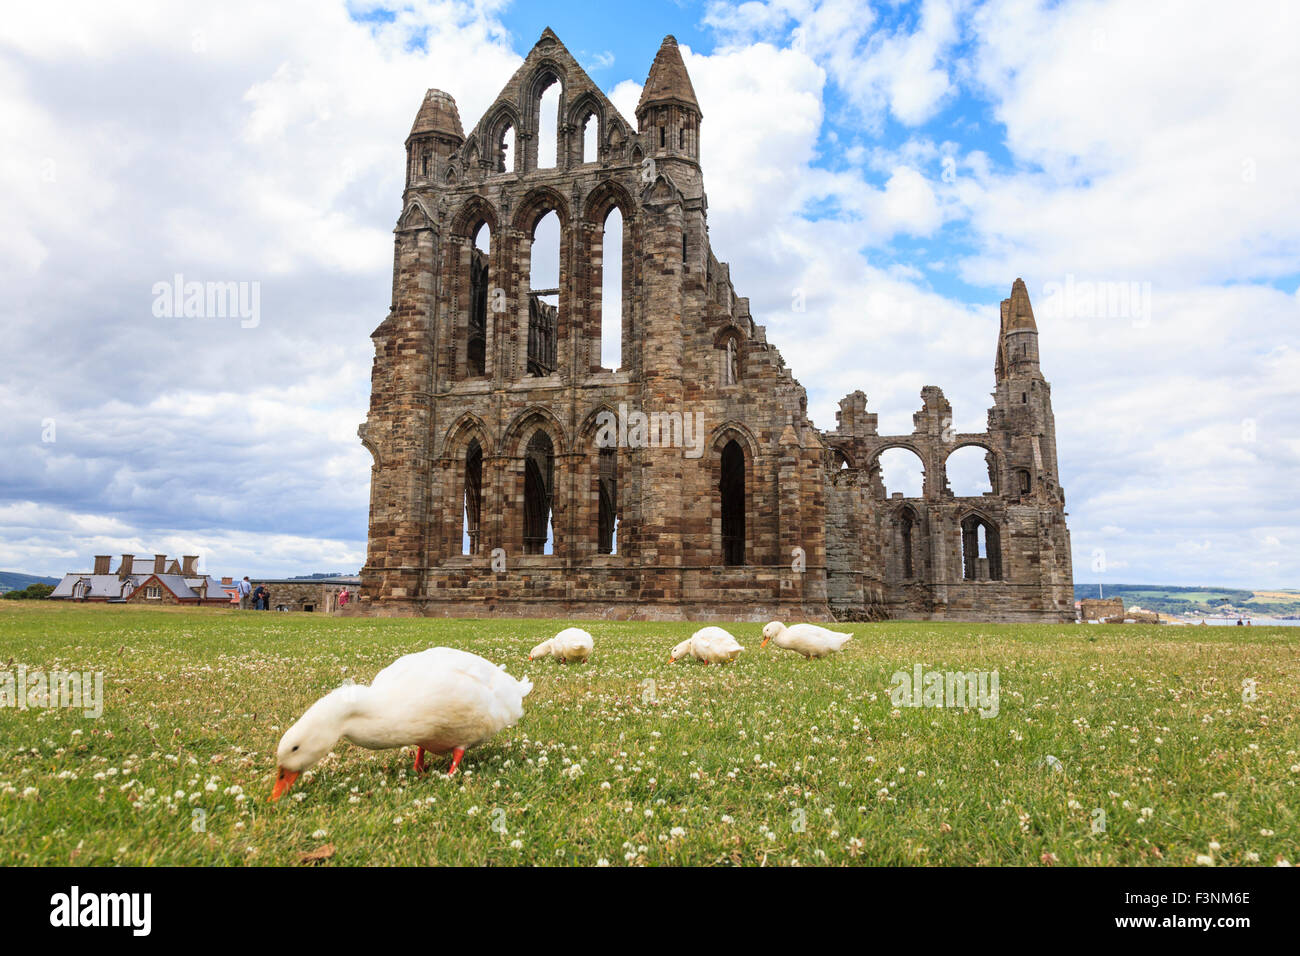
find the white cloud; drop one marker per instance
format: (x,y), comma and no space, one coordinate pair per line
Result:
(902,71)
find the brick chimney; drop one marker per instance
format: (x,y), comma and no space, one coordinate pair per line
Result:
(127,567)
(160,564)
(102,562)
(188,563)
(227,581)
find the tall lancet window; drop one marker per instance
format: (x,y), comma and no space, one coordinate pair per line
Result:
(981,550)
(539,480)
(731,490)
(906,523)
(608,517)
(473,498)
(476,343)
(544,297)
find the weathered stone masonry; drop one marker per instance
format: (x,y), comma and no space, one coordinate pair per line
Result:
(487,404)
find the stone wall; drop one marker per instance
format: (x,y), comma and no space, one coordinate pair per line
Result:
(316,596)
(1098,609)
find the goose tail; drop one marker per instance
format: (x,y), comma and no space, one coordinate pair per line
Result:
(525,685)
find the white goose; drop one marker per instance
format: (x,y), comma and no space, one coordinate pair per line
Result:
(571,644)
(713,645)
(438,700)
(806,639)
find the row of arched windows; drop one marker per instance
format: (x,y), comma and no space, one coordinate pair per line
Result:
(981,547)
(544,299)
(542,118)
(966,471)
(536,530)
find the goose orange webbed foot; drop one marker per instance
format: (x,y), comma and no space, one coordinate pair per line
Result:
(456,754)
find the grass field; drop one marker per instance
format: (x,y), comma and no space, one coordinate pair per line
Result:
(627,759)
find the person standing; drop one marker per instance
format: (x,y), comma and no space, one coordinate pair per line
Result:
(343,598)
(245,589)
(266,597)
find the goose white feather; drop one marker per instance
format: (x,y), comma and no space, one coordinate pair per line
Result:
(571,644)
(810,640)
(713,645)
(439,700)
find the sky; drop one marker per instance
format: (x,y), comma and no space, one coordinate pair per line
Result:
(878,175)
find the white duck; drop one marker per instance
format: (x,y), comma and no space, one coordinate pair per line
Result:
(571,644)
(439,700)
(806,639)
(713,645)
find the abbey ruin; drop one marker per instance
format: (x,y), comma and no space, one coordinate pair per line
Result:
(514,474)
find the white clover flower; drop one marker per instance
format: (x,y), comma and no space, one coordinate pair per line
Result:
(1204,860)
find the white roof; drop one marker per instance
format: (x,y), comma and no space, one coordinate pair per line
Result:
(101,585)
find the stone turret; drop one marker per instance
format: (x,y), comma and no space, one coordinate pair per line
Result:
(1018,335)
(435,136)
(668,113)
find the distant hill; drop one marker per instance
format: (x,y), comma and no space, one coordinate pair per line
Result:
(1170,599)
(16,580)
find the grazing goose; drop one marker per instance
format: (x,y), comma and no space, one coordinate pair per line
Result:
(438,700)
(712,645)
(806,639)
(571,644)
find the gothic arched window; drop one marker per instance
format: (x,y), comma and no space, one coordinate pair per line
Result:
(981,550)
(473,498)
(476,342)
(729,346)
(731,490)
(906,525)
(607,518)
(539,480)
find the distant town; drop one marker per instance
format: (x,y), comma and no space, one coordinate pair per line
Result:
(158,578)
(1172,604)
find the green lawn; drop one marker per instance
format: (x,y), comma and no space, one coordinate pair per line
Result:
(771,760)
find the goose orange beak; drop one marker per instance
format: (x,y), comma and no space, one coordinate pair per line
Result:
(283,783)
(764,644)
(672,660)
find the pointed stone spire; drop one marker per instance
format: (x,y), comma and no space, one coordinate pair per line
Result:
(1019,313)
(438,114)
(668,81)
